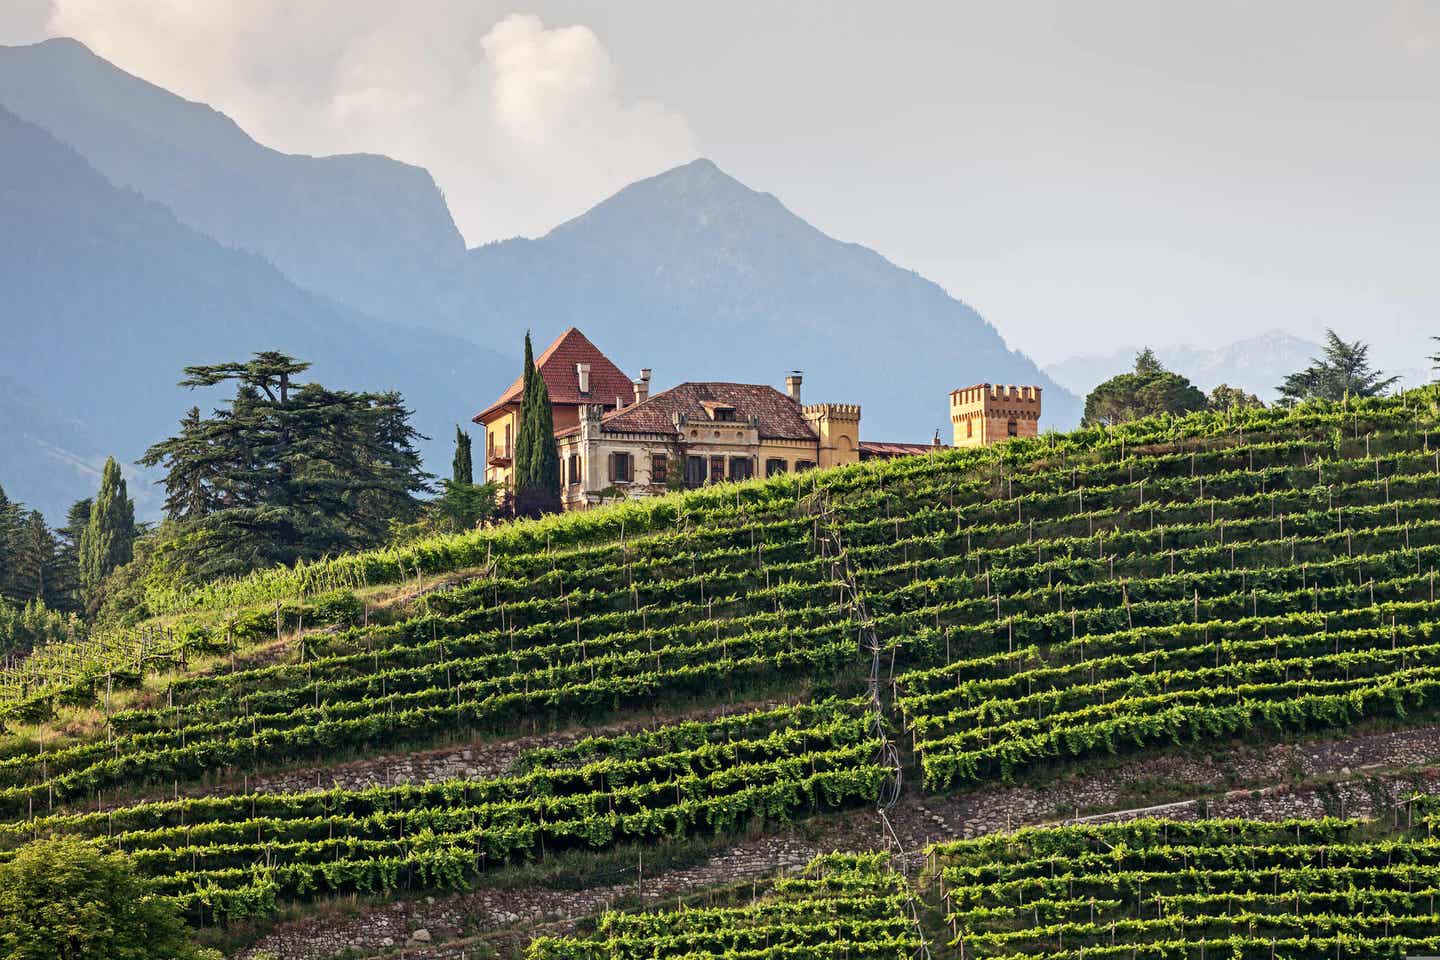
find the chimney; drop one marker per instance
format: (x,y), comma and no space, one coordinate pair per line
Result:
(582,371)
(642,386)
(792,385)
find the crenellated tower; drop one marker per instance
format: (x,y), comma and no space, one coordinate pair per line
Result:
(988,413)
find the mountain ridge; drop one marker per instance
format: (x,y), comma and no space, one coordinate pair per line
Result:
(361,228)
(113,296)
(694,252)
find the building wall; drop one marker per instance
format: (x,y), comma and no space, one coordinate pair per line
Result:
(507,418)
(565,415)
(988,413)
(838,427)
(594,447)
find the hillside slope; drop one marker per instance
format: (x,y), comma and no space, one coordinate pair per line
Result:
(108,296)
(362,230)
(916,633)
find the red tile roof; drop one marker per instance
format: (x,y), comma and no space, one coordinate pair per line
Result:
(881,449)
(557,366)
(779,416)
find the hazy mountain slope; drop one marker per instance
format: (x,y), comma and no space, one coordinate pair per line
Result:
(365,230)
(107,296)
(1256,364)
(694,274)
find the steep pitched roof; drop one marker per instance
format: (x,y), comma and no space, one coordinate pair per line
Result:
(557,365)
(779,416)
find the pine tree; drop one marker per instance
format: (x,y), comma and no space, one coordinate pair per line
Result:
(9,525)
(69,536)
(1344,371)
(35,562)
(537,461)
(109,538)
(463,468)
(1147,391)
(286,471)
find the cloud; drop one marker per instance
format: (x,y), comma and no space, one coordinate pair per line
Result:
(522,124)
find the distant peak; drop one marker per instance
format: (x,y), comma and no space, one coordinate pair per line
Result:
(58,44)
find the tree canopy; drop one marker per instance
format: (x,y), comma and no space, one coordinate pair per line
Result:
(1343,370)
(285,471)
(1225,397)
(1147,390)
(64,899)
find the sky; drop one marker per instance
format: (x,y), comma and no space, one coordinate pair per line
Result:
(1088,175)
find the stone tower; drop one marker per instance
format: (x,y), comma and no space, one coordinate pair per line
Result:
(988,413)
(838,427)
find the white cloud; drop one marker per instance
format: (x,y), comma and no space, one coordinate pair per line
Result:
(522,124)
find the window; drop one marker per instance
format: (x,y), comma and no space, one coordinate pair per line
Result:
(774,466)
(694,471)
(659,468)
(506,449)
(969,427)
(622,468)
(741,468)
(1011,429)
(574,469)
(725,414)
(717,469)
(802,465)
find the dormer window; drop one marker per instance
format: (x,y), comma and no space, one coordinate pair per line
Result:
(582,374)
(720,412)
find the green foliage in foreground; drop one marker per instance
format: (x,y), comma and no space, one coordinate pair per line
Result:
(65,899)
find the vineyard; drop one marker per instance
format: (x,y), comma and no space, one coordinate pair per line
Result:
(1215,888)
(842,906)
(926,625)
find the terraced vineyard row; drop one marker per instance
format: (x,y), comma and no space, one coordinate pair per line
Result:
(1213,888)
(234,856)
(1307,601)
(1045,600)
(841,907)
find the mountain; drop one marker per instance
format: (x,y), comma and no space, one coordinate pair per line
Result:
(107,296)
(1257,364)
(689,272)
(364,230)
(700,277)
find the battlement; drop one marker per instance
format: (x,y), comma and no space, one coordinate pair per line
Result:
(994,393)
(837,411)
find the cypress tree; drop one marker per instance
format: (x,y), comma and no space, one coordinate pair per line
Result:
(463,468)
(537,462)
(524,442)
(109,537)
